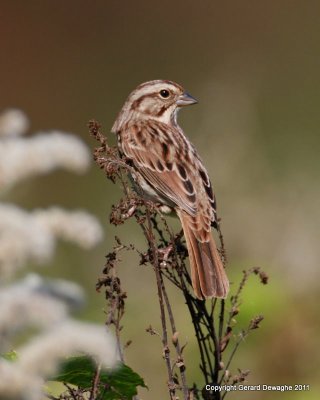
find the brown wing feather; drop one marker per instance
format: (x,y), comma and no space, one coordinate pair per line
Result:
(162,167)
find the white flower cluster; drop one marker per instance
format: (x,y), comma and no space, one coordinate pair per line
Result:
(24,379)
(21,157)
(13,123)
(34,303)
(26,236)
(32,235)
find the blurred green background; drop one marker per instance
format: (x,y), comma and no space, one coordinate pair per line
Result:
(254,66)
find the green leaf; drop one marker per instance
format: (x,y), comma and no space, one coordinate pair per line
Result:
(124,381)
(10,356)
(119,383)
(78,371)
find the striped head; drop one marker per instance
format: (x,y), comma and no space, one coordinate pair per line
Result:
(159,100)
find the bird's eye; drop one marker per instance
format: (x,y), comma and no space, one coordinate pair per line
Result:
(164,93)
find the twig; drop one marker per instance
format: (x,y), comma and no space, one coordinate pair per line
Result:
(95,384)
(221,319)
(166,350)
(235,348)
(176,343)
(71,391)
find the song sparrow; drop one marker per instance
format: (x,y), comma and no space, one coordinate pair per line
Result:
(169,171)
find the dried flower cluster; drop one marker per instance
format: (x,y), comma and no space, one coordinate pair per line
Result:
(34,303)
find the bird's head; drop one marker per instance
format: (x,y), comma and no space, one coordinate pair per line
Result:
(159,99)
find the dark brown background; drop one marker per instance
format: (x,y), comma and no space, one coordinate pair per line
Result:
(254,66)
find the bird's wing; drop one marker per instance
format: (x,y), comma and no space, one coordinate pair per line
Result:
(164,158)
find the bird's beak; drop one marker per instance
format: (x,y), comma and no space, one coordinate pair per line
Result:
(185,100)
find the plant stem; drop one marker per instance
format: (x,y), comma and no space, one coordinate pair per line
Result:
(166,350)
(176,343)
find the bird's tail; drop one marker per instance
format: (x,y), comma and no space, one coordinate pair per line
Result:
(207,272)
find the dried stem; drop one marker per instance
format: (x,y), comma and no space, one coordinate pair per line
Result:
(166,350)
(175,340)
(95,384)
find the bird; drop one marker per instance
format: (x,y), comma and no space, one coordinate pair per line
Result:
(169,171)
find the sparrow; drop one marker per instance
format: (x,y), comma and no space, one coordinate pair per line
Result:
(169,171)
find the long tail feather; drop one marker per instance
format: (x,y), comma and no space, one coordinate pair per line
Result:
(207,272)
